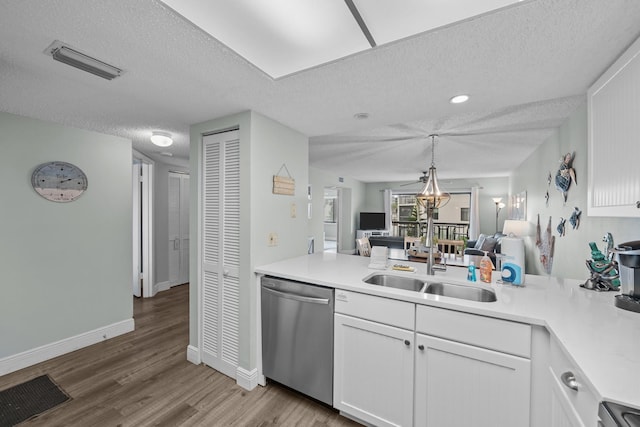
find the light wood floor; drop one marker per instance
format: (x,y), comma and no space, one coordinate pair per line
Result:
(143,378)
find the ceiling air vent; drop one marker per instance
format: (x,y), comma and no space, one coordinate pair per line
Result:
(63,53)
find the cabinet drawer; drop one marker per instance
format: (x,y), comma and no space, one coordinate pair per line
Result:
(583,400)
(487,332)
(382,310)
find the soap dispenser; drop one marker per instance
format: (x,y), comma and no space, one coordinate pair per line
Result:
(486,267)
(471,272)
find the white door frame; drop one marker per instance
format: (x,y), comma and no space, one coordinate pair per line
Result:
(143,229)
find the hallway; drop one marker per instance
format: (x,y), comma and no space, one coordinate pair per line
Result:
(143,378)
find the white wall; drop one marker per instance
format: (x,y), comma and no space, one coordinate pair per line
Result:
(264,146)
(319,180)
(572,250)
(66,267)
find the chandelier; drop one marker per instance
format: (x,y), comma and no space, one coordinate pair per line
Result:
(431,197)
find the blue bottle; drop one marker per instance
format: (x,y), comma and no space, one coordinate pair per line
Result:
(471,272)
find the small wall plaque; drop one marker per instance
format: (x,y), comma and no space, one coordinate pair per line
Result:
(284,185)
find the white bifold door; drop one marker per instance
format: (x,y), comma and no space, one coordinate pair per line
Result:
(220,250)
(178,228)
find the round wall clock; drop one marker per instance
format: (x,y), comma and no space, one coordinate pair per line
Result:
(59,181)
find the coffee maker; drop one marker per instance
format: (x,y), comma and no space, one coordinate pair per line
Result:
(629,263)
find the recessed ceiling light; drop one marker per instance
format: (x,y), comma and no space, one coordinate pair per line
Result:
(459,99)
(361,116)
(161,139)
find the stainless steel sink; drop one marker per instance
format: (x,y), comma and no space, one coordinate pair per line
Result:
(461,291)
(398,282)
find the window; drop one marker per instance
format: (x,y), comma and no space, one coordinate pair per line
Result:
(453,217)
(464,214)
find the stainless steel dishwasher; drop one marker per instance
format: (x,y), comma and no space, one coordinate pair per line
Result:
(297,336)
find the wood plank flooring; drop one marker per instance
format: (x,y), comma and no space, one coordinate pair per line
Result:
(143,378)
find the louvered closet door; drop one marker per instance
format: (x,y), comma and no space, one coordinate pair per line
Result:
(221,251)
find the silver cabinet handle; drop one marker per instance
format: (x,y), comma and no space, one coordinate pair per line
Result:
(407,342)
(420,347)
(569,380)
(297,297)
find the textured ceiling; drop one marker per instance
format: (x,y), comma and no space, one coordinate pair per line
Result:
(526,67)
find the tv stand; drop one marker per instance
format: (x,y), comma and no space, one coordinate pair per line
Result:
(368,233)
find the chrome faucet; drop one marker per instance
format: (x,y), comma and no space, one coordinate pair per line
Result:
(431,266)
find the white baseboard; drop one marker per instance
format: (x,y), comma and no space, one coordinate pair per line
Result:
(247,379)
(193,355)
(49,351)
(160,287)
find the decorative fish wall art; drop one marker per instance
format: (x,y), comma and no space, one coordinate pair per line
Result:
(574,219)
(560,227)
(545,243)
(566,175)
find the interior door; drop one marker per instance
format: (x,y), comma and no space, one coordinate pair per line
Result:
(178,228)
(220,250)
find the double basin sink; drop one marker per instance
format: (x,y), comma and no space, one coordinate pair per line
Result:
(470,293)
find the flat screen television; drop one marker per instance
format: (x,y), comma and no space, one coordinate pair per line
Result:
(372,221)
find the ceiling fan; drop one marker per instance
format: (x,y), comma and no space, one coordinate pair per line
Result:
(423,179)
(503,135)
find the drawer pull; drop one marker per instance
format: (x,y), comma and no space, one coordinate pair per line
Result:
(569,380)
(407,343)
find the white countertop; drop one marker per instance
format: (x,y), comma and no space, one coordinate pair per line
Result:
(603,340)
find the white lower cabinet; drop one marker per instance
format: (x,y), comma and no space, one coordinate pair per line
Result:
(573,402)
(563,414)
(471,370)
(398,364)
(462,385)
(373,371)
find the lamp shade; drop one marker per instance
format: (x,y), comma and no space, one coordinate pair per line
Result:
(516,228)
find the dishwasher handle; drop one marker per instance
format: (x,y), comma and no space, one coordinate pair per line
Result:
(296,297)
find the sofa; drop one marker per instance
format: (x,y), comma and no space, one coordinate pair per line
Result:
(488,243)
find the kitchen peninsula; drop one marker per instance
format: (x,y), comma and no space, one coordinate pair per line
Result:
(574,331)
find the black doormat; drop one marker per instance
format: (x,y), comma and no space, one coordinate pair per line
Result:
(23,401)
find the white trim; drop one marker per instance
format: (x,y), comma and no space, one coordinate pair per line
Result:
(248,380)
(49,351)
(162,286)
(139,155)
(193,355)
(262,380)
(196,243)
(147,230)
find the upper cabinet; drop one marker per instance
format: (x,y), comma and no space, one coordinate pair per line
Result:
(614,139)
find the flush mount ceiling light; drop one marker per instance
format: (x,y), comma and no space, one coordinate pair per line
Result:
(361,116)
(161,139)
(459,99)
(67,55)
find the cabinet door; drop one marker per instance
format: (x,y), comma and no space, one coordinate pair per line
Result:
(563,414)
(614,106)
(463,385)
(373,371)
